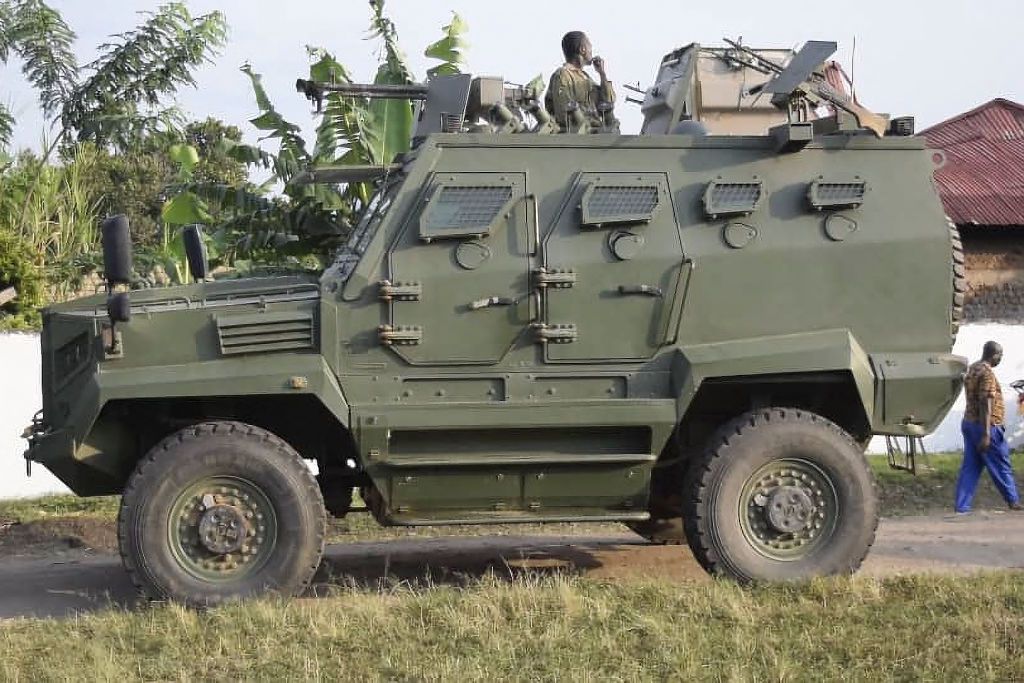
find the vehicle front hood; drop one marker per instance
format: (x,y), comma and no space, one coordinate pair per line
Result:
(197,293)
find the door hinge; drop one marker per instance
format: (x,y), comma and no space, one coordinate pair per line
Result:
(399,291)
(554,334)
(558,278)
(400,335)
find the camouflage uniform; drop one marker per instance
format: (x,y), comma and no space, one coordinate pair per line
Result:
(572,84)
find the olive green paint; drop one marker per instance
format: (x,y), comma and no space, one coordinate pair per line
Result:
(429,350)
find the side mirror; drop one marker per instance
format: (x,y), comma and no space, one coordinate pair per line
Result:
(117,251)
(119,308)
(195,251)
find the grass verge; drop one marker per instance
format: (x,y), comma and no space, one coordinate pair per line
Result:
(554,628)
(932,489)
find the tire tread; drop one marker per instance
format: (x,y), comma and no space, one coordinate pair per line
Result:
(127,512)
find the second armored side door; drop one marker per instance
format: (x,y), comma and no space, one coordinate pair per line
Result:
(613,270)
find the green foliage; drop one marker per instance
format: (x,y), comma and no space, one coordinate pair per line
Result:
(136,181)
(116,109)
(450,50)
(312,219)
(131,182)
(122,98)
(212,139)
(53,210)
(6,127)
(19,269)
(38,34)
(392,119)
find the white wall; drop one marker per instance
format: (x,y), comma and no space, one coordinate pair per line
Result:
(20,399)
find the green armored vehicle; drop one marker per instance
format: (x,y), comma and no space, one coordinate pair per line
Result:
(673,330)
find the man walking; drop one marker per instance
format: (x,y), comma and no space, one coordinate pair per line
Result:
(984,433)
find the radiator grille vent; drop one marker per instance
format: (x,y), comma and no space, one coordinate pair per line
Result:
(264,332)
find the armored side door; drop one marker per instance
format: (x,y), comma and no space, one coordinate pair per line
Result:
(458,283)
(613,270)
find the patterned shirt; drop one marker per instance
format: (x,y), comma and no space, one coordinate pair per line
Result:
(572,84)
(980,384)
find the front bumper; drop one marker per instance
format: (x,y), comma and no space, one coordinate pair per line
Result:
(55,450)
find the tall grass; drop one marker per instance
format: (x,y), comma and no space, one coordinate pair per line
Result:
(56,215)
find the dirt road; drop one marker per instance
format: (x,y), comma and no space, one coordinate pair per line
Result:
(81,582)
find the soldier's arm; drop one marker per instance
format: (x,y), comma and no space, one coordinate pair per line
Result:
(605,92)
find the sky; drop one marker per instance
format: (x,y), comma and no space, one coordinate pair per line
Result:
(931,60)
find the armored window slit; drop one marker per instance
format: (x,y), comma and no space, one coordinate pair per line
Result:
(728,198)
(464,210)
(616,204)
(828,194)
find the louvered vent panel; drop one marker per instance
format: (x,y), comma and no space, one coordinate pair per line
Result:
(730,199)
(264,332)
(827,194)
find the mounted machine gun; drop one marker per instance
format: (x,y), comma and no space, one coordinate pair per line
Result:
(800,87)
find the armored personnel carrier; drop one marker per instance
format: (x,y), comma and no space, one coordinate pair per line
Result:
(674,330)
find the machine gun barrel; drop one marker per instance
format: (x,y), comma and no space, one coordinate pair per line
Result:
(410,91)
(760,63)
(315,90)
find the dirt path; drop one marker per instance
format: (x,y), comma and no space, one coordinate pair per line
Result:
(86,581)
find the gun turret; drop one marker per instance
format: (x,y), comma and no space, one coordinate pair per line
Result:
(800,85)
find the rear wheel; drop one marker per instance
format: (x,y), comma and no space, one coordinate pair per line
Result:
(780,494)
(221,511)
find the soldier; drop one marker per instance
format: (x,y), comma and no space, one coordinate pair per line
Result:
(984,433)
(571,87)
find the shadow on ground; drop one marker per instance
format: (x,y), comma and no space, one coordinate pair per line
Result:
(82,581)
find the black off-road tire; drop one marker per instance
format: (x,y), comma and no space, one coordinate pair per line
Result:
(211,450)
(959,272)
(713,506)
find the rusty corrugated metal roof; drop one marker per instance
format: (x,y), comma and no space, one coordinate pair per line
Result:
(982,182)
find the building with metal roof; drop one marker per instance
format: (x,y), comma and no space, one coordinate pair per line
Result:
(982,189)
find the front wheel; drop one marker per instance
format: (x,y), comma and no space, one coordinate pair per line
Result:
(220,511)
(780,494)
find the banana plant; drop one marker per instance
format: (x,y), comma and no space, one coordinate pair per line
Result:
(315,218)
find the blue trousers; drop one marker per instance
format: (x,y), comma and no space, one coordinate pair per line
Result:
(996,460)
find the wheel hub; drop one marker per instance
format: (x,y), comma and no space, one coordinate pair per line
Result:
(789,509)
(222,529)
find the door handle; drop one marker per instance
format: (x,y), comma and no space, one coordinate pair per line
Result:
(492,301)
(646,290)
(535,247)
